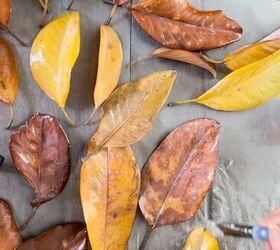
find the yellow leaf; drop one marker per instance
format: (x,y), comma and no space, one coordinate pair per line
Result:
(130,111)
(245,88)
(109,188)
(109,66)
(201,239)
(53,55)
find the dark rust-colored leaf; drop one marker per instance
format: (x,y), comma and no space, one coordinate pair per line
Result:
(178,25)
(72,236)
(5,11)
(41,152)
(9,235)
(179,173)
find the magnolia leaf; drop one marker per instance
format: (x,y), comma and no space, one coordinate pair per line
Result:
(9,235)
(72,236)
(130,111)
(179,173)
(178,25)
(109,66)
(53,55)
(245,88)
(187,57)
(9,79)
(41,153)
(109,189)
(200,238)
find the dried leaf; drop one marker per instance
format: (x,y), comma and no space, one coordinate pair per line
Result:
(178,25)
(179,173)
(109,189)
(41,153)
(9,235)
(245,88)
(70,236)
(187,57)
(130,111)
(109,65)
(9,80)
(201,238)
(5,12)
(1,159)
(53,55)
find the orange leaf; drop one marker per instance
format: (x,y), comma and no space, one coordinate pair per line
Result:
(5,12)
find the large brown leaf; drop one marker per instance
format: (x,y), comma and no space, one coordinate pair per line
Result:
(5,11)
(179,173)
(72,236)
(178,25)
(41,152)
(9,235)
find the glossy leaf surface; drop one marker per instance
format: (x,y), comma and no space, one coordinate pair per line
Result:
(9,235)
(178,25)
(41,153)
(179,173)
(109,189)
(53,55)
(70,236)
(187,57)
(130,111)
(5,12)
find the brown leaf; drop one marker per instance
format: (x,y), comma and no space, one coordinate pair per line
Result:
(41,153)
(121,2)
(5,12)
(71,236)
(9,235)
(187,57)
(178,25)
(179,173)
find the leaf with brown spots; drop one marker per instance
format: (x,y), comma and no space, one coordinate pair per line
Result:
(41,153)
(109,188)
(178,25)
(9,235)
(187,57)
(72,236)
(179,173)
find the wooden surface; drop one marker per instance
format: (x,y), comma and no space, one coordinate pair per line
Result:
(247,186)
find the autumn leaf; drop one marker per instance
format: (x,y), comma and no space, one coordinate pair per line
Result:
(245,88)
(70,236)
(179,173)
(109,66)
(130,111)
(41,153)
(1,159)
(53,55)
(9,79)
(109,188)
(9,235)
(187,57)
(178,25)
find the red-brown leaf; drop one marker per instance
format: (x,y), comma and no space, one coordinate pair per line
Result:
(179,173)
(9,235)
(121,2)
(65,237)
(5,12)
(41,152)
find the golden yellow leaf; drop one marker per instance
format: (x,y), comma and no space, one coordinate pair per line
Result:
(201,239)
(109,188)
(130,111)
(53,55)
(245,88)
(109,65)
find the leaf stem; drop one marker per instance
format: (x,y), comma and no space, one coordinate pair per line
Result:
(146,238)
(11,116)
(45,10)
(68,118)
(141,59)
(29,219)
(111,14)
(42,5)
(70,4)
(171,104)
(209,59)
(91,115)
(6,29)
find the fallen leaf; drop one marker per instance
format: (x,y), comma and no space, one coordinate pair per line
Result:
(9,80)
(178,25)
(201,238)
(187,57)
(109,189)
(245,88)
(5,12)
(179,173)
(53,55)
(130,111)
(41,153)
(109,66)
(70,236)
(9,235)
(1,159)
